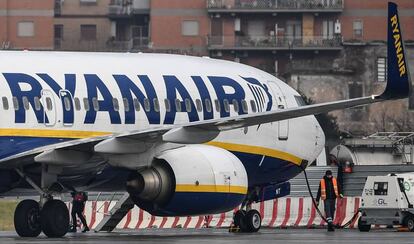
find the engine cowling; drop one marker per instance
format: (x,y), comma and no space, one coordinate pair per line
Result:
(190,180)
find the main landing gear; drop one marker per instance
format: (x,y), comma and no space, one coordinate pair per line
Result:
(49,215)
(247,219)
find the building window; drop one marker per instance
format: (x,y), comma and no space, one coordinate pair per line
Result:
(189,28)
(358,27)
(88,2)
(25,29)
(88,32)
(381,69)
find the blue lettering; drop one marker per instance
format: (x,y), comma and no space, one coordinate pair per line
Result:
(128,87)
(174,86)
(219,83)
(95,84)
(14,80)
(204,95)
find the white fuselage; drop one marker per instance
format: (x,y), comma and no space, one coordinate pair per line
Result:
(107,82)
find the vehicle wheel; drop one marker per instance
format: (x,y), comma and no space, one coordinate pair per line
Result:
(363,227)
(253,221)
(238,218)
(409,222)
(26,219)
(54,218)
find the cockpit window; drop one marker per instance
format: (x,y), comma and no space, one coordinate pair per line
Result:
(300,101)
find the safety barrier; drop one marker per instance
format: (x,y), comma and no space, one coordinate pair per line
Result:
(278,213)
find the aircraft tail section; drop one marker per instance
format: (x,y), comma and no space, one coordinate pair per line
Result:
(398,76)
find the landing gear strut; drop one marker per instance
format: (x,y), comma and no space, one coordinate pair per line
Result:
(248,220)
(50,216)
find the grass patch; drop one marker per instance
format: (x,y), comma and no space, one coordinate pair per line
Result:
(7,208)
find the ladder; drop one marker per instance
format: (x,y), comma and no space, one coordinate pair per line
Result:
(116,214)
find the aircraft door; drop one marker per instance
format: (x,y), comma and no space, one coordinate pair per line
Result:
(279,102)
(67,115)
(49,109)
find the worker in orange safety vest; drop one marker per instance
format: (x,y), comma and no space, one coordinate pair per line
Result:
(329,192)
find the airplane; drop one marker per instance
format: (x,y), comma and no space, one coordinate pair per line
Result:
(182,135)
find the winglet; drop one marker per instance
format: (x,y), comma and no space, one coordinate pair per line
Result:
(399,83)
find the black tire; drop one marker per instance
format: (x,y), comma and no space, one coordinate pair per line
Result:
(363,227)
(253,221)
(238,218)
(409,222)
(27,219)
(54,218)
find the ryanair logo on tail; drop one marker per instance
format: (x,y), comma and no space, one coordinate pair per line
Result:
(398,45)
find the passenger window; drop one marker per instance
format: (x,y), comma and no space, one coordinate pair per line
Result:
(49,104)
(187,105)
(115,103)
(236,105)
(226,105)
(95,104)
(15,103)
(253,105)
(245,107)
(217,104)
(156,105)
(5,103)
(177,105)
(137,105)
(26,103)
(86,104)
(126,104)
(38,105)
(199,105)
(147,105)
(167,105)
(67,103)
(208,105)
(77,104)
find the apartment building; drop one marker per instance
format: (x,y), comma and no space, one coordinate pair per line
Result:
(101,25)
(26,24)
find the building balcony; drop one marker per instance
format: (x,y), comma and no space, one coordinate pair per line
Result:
(127,8)
(111,45)
(274,6)
(274,43)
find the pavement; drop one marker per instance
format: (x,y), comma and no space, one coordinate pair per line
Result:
(221,236)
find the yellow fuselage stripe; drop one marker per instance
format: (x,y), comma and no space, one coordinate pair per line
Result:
(211,188)
(258,151)
(72,134)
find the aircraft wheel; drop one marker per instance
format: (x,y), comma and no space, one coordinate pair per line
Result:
(253,221)
(363,227)
(54,218)
(409,222)
(26,219)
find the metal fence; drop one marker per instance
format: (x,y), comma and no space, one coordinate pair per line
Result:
(275,4)
(273,42)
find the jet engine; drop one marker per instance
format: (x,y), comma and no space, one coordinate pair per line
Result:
(190,180)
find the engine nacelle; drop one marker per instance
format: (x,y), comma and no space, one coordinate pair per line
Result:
(190,180)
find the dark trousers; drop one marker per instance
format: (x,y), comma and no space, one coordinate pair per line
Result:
(77,209)
(329,205)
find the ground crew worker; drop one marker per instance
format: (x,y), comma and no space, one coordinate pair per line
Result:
(78,205)
(328,191)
